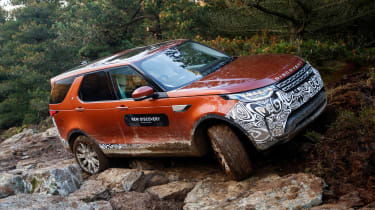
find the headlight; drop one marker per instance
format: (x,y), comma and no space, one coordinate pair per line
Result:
(253,95)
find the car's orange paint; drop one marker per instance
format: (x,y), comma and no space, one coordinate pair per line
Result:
(244,73)
(104,120)
(143,91)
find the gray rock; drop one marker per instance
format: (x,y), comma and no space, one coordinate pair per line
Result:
(39,201)
(91,190)
(25,132)
(273,192)
(174,190)
(113,179)
(134,181)
(50,132)
(11,184)
(55,180)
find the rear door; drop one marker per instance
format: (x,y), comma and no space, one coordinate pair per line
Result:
(98,110)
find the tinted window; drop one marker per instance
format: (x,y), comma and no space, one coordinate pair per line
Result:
(60,89)
(126,80)
(178,66)
(95,87)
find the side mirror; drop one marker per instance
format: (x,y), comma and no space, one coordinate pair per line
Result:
(143,93)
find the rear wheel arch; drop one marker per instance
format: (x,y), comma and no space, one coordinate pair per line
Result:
(74,134)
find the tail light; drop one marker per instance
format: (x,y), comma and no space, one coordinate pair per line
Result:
(52,112)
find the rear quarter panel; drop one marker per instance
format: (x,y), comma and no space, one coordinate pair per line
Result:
(66,118)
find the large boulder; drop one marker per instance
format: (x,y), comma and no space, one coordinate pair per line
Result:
(11,184)
(60,179)
(120,180)
(47,202)
(272,192)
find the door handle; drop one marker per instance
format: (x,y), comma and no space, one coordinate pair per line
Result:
(122,107)
(80,109)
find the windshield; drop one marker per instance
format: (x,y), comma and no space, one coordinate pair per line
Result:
(181,65)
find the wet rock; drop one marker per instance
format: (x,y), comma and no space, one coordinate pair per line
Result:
(55,180)
(134,181)
(141,201)
(11,184)
(91,190)
(174,190)
(39,201)
(272,192)
(145,164)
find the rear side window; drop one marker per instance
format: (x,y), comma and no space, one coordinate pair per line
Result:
(60,89)
(96,87)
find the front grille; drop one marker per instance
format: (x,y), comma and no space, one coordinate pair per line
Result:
(295,79)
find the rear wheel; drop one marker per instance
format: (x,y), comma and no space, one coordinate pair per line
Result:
(89,156)
(229,151)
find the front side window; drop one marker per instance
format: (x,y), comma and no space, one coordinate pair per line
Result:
(183,64)
(95,87)
(126,80)
(60,89)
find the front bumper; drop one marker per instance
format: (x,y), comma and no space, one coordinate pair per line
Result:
(297,101)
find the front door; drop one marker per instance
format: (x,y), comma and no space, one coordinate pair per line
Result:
(150,121)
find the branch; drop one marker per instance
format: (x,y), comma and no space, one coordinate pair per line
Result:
(151,17)
(274,13)
(342,22)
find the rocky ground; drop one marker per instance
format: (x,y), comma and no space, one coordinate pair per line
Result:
(29,179)
(331,166)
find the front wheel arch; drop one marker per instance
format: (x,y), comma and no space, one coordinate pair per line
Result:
(200,137)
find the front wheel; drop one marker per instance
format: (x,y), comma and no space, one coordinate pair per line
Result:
(89,156)
(230,152)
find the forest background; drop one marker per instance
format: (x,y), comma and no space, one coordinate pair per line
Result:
(42,38)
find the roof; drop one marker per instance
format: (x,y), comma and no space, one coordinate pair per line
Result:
(119,59)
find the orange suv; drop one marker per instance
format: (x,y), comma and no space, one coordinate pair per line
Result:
(180,98)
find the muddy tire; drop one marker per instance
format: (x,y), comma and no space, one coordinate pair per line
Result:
(89,156)
(230,152)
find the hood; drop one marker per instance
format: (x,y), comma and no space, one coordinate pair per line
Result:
(243,74)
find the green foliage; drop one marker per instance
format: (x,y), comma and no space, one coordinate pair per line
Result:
(47,37)
(312,50)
